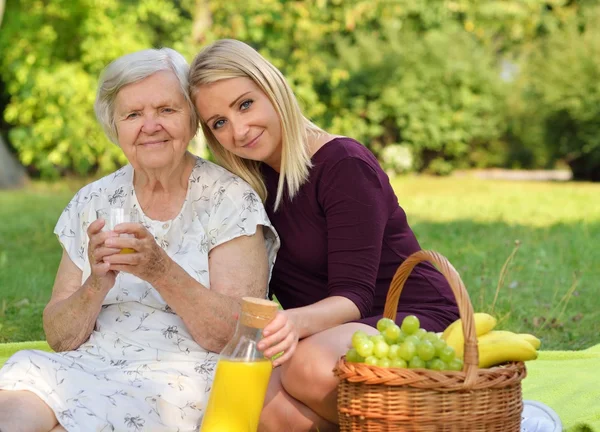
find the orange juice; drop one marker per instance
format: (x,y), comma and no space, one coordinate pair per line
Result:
(237,396)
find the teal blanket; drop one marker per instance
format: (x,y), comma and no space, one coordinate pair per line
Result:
(567,381)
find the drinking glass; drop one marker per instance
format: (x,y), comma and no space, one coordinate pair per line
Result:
(115,216)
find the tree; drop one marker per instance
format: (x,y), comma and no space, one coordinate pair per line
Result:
(52,54)
(12,173)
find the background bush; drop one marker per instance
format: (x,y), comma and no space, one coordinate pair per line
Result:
(558,111)
(454,84)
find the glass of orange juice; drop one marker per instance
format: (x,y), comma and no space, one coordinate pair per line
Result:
(114,216)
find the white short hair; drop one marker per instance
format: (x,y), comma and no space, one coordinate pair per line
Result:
(135,67)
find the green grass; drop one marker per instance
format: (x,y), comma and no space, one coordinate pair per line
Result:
(29,256)
(548,286)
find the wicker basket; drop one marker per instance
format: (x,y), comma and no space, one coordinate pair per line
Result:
(376,399)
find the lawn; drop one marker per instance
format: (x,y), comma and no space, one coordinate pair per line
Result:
(544,235)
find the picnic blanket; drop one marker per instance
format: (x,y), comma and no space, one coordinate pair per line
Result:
(567,381)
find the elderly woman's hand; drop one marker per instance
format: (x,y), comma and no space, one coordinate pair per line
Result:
(148,261)
(102,278)
(280,335)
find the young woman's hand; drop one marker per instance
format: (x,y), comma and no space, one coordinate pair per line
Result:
(144,259)
(280,335)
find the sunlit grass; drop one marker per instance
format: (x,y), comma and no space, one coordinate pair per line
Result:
(551,283)
(549,287)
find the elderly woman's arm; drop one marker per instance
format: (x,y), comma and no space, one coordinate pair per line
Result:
(70,316)
(237,268)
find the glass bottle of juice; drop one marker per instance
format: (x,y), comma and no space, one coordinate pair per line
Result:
(242,375)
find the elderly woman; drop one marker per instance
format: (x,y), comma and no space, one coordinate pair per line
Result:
(136,333)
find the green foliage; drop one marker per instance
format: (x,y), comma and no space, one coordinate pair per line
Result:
(426,75)
(561,97)
(407,90)
(53,52)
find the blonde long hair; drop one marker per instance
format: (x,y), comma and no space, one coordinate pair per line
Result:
(229,58)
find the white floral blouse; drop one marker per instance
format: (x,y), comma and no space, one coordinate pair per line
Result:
(141,370)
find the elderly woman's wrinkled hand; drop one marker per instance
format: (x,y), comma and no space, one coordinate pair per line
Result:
(280,335)
(102,277)
(149,261)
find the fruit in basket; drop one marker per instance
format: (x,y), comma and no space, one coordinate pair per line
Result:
(529,338)
(494,346)
(410,325)
(409,346)
(404,346)
(534,341)
(497,349)
(453,335)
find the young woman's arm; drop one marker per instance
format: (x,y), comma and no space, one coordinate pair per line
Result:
(356,209)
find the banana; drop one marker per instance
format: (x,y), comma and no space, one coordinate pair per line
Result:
(531,339)
(453,335)
(495,348)
(534,341)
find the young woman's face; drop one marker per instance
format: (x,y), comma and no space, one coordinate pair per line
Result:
(242,119)
(153,121)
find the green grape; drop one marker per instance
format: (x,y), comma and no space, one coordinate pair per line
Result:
(384,362)
(420,333)
(437,364)
(391,334)
(439,346)
(383,323)
(399,363)
(447,354)
(455,365)
(358,336)
(376,338)
(365,348)
(353,357)
(413,339)
(381,349)
(416,363)
(401,337)
(407,350)
(394,352)
(371,360)
(431,337)
(410,324)
(425,350)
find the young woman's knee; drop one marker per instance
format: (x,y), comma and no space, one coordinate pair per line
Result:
(307,375)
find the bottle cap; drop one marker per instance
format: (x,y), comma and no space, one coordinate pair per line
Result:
(257,312)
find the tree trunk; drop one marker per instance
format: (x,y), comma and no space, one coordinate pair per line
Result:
(12,173)
(202,21)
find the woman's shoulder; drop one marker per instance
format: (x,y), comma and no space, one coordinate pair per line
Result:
(211,183)
(340,149)
(112,185)
(208,174)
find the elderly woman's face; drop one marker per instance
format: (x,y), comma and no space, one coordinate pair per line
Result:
(153,121)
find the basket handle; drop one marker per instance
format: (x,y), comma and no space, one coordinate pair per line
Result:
(465,309)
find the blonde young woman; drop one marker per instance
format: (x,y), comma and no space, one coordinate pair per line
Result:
(342,232)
